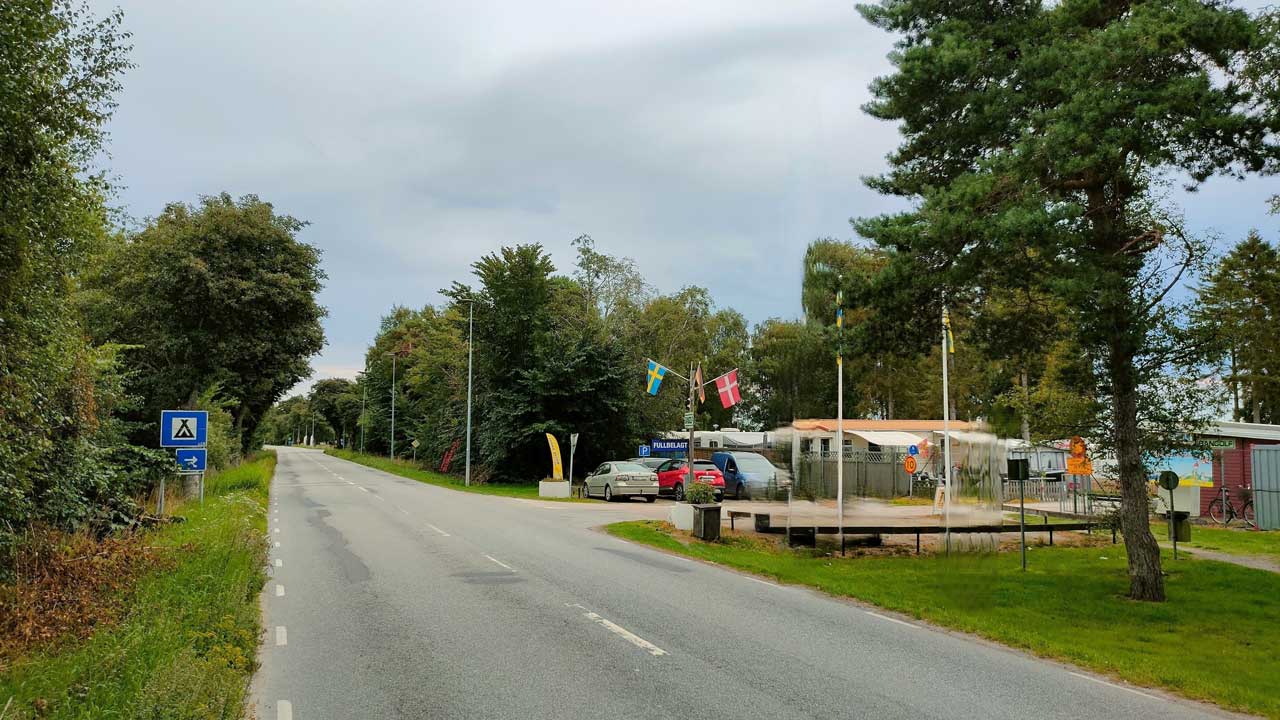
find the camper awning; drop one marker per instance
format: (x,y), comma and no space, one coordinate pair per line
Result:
(887,438)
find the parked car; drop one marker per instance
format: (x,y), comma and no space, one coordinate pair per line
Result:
(749,475)
(622,479)
(650,462)
(674,473)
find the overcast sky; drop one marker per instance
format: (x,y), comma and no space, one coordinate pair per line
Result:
(709,140)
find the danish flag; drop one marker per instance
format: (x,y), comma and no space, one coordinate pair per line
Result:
(727,386)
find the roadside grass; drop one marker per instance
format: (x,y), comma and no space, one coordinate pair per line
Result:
(1215,639)
(1228,540)
(186,645)
(407,470)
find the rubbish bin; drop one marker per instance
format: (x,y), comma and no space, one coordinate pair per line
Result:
(1180,526)
(706,521)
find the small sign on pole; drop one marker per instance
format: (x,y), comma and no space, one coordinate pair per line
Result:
(643,451)
(909,464)
(688,421)
(191,460)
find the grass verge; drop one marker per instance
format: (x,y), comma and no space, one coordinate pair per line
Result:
(184,649)
(413,472)
(1215,639)
(1265,543)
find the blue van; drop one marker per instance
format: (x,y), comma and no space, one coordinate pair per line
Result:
(748,474)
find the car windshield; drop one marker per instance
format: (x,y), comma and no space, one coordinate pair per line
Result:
(753,464)
(629,467)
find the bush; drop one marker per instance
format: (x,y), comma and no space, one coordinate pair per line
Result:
(699,493)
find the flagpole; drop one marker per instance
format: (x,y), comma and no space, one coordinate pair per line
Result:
(693,409)
(840,416)
(946,429)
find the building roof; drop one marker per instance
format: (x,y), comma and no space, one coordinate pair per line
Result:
(884,425)
(1249,431)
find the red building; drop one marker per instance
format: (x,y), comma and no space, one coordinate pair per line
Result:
(1232,443)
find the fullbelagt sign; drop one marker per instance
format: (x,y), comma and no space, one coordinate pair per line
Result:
(669,445)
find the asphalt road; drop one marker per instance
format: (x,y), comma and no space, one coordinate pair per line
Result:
(393,599)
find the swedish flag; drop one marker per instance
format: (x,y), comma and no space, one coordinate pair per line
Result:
(656,373)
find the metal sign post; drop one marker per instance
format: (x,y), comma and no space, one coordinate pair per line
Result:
(1169,481)
(1019,469)
(573,445)
(188,431)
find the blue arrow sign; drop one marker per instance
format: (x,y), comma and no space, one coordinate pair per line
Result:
(913,450)
(191,460)
(183,428)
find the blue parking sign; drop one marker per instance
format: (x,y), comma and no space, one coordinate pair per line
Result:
(913,450)
(184,428)
(191,460)
(643,451)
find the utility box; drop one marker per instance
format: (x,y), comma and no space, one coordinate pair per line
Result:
(1266,486)
(706,521)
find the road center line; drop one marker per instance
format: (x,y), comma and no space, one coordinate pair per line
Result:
(626,634)
(276,531)
(363,488)
(279,562)
(279,591)
(501,563)
(282,636)
(284,710)
(277,543)
(433,527)
(892,619)
(380,498)
(1118,687)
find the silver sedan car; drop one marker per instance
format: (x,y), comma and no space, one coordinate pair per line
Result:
(622,479)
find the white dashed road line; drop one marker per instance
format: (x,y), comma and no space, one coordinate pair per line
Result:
(284,710)
(276,531)
(622,632)
(363,488)
(279,562)
(766,582)
(442,533)
(494,559)
(892,619)
(279,591)
(282,636)
(1118,687)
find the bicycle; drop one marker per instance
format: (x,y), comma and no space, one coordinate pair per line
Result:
(1222,510)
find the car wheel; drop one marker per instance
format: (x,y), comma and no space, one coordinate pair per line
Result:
(679,492)
(739,491)
(651,498)
(608,494)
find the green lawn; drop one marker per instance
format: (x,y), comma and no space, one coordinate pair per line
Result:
(404,469)
(1215,639)
(187,645)
(1228,540)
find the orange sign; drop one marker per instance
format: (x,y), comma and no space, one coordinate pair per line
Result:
(909,464)
(1079,466)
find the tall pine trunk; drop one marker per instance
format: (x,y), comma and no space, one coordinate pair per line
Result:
(1145,579)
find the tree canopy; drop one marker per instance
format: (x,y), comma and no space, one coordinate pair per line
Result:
(1035,136)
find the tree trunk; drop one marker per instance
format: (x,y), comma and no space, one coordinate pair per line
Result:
(1145,579)
(889,412)
(1236,412)
(1026,406)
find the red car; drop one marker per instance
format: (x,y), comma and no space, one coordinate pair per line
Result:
(672,475)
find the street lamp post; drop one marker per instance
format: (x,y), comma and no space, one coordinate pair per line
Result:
(363,420)
(471,326)
(392,453)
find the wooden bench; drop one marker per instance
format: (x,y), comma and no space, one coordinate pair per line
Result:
(735,514)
